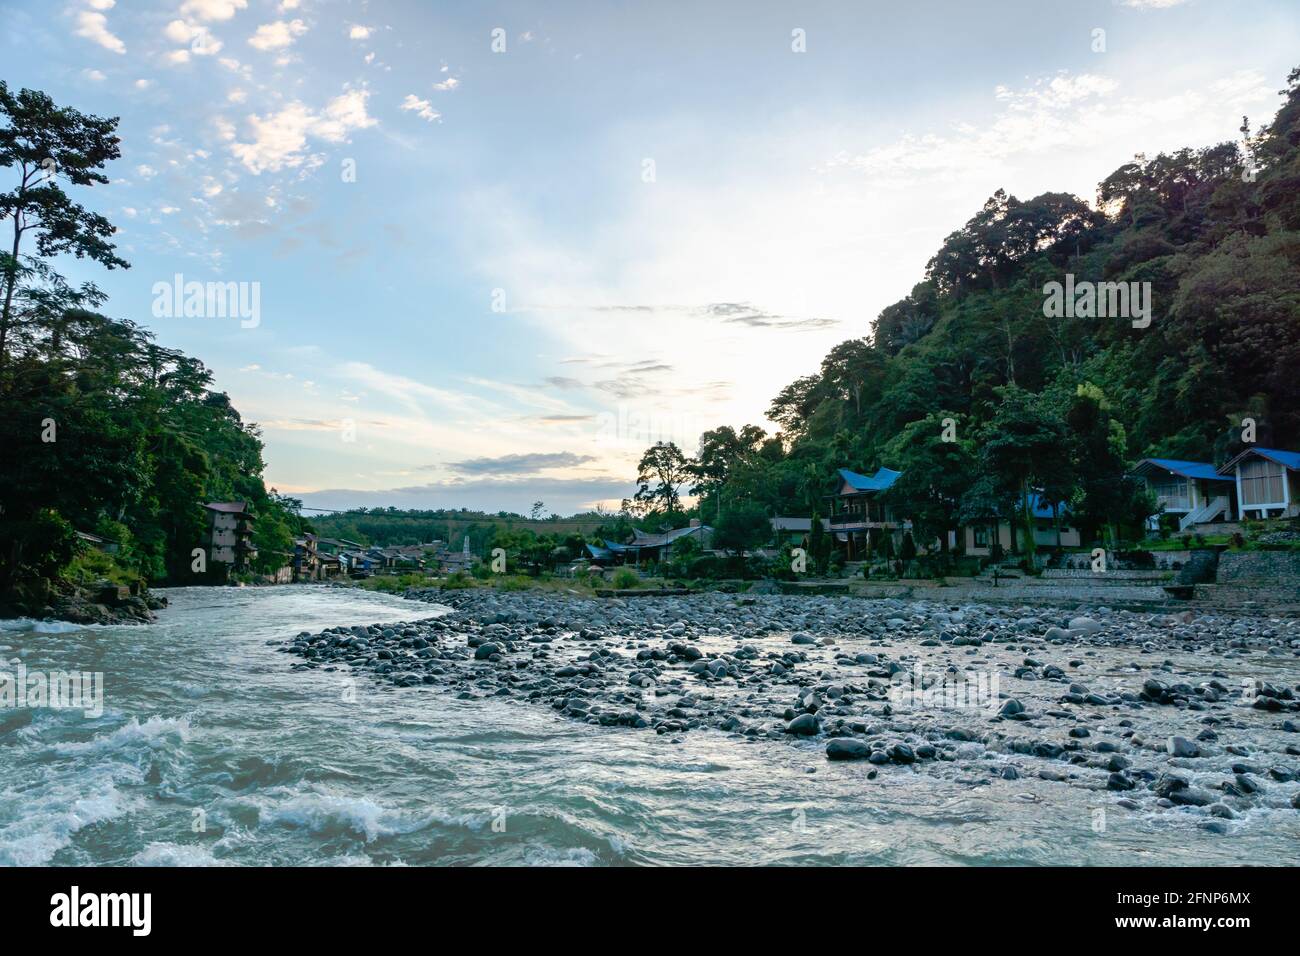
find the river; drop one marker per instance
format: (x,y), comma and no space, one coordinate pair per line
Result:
(211,751)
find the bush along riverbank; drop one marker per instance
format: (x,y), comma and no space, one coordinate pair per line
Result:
(1154,712)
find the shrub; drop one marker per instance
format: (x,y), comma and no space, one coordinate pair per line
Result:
(626,578)
(458,581)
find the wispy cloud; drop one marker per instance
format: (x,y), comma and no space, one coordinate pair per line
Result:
(519,465)
(93,26)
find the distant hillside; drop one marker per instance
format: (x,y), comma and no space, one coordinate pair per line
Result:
(977,385)
(385,527)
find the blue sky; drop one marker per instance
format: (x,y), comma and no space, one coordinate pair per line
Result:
(637,221)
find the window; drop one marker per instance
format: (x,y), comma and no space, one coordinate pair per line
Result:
(1173,494)
(1261,482)
(981,536)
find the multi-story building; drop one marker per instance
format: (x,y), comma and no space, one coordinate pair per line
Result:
(230,535)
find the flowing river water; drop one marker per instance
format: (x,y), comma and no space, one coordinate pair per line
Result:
(211,751)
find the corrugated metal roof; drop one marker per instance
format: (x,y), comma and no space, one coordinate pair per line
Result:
(642,540)
(1187,469)
(883,479)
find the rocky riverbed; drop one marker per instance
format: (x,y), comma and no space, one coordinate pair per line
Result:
(1156,713)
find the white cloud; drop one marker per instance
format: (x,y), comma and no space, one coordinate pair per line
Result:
(422,108)
(200,39)
(358,32)
(277,35)
(177,57)
(1152,4)
(146,172)
(94,76)
(237,95)
(450,83)
(1065,112)
(143,84)
(280,140)
(212,9)
(94,27)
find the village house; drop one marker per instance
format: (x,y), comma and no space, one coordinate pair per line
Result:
(647,548)
(230,535)
(1267,482)
(330,566)
(859,519)
(979,537)
(1193,491)
(336,545)
(793,531)
(306,562)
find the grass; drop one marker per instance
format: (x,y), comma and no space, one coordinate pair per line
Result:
(393,583)
(91,567)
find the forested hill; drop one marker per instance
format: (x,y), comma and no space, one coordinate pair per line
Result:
(103,430)
(1216,233)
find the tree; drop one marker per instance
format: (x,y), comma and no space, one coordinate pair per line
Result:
(1099,452)
(935,474)
(721,451)
(46,142)
(663,470)
(536,512)
(1024,447)
(907,550)
(742,527)
(819,544)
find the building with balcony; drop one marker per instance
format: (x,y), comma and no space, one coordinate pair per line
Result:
(230,535)
(858,518)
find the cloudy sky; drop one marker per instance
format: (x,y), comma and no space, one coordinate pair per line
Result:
(502,247)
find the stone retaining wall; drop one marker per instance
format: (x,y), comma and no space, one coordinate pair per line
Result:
(1260,569)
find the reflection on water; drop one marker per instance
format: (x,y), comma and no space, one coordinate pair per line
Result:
(210,751)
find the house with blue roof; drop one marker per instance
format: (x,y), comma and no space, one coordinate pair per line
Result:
(1267,482)
(651,548)
(1053,528)
(858,518)
(1194,491)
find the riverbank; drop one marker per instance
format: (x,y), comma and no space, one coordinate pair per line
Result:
(1146,713)
(102,603)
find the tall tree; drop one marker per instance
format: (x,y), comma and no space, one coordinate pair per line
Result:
(1025,448)
(662,471)
(46,142)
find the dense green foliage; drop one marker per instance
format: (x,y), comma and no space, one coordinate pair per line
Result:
(104,431)
(1063,405)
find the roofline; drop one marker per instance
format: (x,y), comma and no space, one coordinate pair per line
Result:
(1156,463)
(1261,452)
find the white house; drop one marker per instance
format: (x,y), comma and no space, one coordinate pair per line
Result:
(980,535)
(1268,482)
(1195,491)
